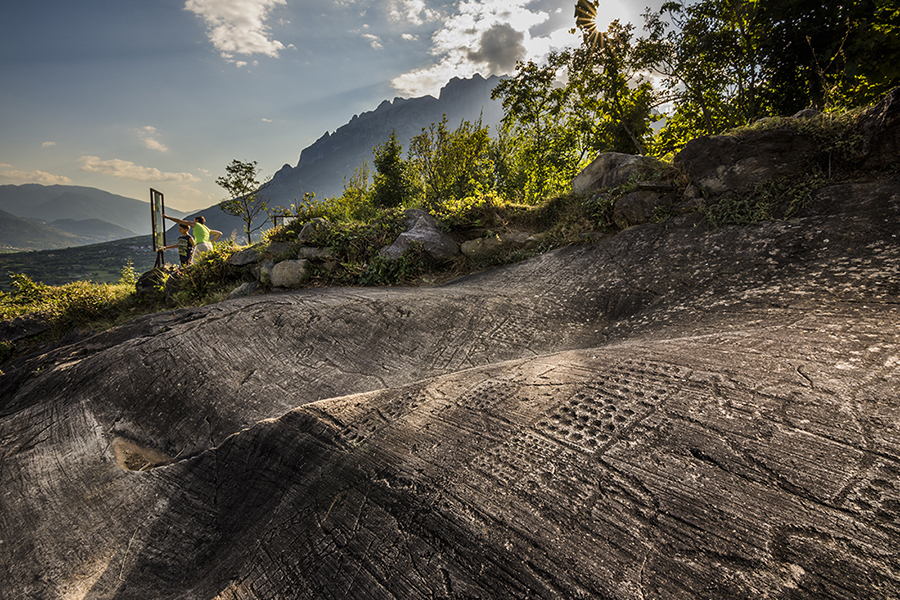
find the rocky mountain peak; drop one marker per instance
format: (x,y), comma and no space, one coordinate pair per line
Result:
(322,167)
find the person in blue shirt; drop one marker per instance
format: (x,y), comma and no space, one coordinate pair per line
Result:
(185,245)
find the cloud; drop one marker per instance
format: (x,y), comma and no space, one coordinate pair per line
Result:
(34,177)
(487,37)
(124,169)
(238,26)
(412,12)
(148,136)
(501,47)
(48,144)
(374,40)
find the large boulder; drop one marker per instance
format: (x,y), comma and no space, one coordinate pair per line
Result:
(718,164)
(880,129)
(612,169)
(242,258)
(422,228)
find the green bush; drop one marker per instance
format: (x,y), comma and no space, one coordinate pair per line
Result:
(78,304)
(209,279)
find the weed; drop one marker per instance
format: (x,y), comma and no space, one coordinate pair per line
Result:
(777,199)
(129,275)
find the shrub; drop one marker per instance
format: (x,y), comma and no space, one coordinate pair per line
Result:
(78,304)
(209,279)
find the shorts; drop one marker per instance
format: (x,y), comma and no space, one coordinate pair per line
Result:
(200,249)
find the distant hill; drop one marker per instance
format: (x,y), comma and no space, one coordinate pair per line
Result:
(32,234)
(92,231)
(77,203)
(20,234)
(101,263)
(323,165)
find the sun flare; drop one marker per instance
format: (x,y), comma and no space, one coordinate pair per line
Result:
(586,20)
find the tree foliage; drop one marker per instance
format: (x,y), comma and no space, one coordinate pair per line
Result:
(727,63)
(394,182)
(540,146)
(452,164)
(244,197)
(700,67)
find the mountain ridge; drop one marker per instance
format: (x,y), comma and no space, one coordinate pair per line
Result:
(322,166)
(70,208)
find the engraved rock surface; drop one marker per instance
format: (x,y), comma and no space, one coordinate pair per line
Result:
(667,413)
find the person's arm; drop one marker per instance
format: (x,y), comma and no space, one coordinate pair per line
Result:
(179,221)
(214,235)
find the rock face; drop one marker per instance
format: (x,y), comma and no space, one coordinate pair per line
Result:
(721,163)
(666,413)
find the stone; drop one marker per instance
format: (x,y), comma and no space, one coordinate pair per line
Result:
(309,229)
(637,208)
(612,169)
(152,283)
(807,113)
(277,249)
(313,253)
(880,129)
(481,247)
(718,164)
(692,192)
(290,273)
(520,239)
(243,290)
(422,229)
(23,327)
(264,273)
(244,257)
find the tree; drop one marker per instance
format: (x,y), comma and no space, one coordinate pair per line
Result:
(612,98)
(541,149)
(728,63)
(710,55)
(558,116)
(830,54)
(393,183)
(245,200)
(452,164)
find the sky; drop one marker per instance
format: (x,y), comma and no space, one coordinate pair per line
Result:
(125,95)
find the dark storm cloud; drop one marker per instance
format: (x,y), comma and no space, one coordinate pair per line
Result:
(501,47)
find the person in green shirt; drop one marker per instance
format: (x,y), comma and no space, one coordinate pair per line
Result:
(203,235)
